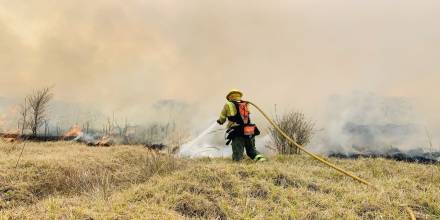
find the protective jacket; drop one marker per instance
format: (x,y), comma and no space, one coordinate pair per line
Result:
(229,112)
(238,115)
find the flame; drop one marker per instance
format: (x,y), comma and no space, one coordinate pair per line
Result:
(13,110)
(8,118)
(5,126)
(12,131)
(75,131)
(2,120)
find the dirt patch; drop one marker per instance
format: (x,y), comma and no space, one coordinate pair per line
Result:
(259,191)
(12,196)
(313,187)
(368,211)
(193,206)
(285,181)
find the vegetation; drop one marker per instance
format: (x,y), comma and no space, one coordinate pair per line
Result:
(297,126)
(37,103)
(64,180)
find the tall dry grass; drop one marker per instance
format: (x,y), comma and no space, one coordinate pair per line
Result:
(69,181)
(70,169)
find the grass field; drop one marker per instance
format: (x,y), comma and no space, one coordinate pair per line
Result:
(71,181)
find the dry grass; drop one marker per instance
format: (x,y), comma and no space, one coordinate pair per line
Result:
(67,169)
(70,181)
(297,126)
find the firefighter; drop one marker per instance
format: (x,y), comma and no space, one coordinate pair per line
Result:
(240,131)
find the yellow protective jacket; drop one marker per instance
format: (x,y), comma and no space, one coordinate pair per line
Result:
(228,110)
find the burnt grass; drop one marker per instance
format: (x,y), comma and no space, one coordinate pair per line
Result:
(411,156)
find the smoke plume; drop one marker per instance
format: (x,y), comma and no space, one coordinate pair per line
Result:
(112,57)
(362,123)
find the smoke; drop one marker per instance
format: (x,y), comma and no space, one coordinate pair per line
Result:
(364,122)
(8,115)
(112,57)
(211,143)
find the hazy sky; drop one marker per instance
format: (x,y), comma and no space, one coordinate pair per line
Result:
(125,55)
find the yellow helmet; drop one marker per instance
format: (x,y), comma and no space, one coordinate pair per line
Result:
(234,91)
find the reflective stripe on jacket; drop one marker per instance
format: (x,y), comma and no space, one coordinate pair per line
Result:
(228,110)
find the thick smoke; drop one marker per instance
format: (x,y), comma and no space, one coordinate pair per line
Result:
(368,123)
(112,57)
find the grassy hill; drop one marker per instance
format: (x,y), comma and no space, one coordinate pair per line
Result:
(71,181)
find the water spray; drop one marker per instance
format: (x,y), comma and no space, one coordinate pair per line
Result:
(193,148)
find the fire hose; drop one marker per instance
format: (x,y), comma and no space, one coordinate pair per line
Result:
(322,160)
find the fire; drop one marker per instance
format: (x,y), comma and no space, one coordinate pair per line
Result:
(2,120)
(13,110)
(12,131)
(8,119)
(5,126)
(75,131)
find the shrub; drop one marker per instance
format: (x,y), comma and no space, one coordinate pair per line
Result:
(297,126)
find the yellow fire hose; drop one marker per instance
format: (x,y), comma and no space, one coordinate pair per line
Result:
(322,160)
